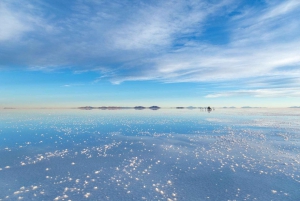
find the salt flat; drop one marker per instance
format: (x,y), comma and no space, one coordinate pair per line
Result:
(228,154)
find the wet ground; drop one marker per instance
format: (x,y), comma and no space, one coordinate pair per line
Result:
(228,154)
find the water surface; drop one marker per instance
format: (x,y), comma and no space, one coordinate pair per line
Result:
(228,154)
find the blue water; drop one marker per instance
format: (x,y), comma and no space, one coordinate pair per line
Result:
(228,154)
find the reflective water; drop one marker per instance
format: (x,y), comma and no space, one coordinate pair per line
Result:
(228,154)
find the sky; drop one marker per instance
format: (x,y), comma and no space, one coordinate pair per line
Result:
(149,52)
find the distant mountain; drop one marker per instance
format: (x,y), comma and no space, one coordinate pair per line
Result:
(252,107)
(154,107)
(139,107)
(86,108)
(295,107)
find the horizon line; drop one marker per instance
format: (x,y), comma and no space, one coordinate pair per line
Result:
(142,107)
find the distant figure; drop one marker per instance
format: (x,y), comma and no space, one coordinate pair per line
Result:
(209,109)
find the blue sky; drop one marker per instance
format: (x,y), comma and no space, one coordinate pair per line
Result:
(167,53)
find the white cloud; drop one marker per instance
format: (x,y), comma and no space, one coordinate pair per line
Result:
(159,24)
(257,48)
(12,24)
(196,64)
(153,40)
(279,92)
(283,8)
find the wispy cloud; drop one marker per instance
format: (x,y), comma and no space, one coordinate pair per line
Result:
(156,40)
(280,92)
(282,8)
(12,25)
(158,25)
(89,34)
(72,85)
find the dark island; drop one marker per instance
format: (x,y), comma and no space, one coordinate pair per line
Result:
(154,108)
(139,107)
(86,108)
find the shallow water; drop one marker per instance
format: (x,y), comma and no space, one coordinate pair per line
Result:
(228,154)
